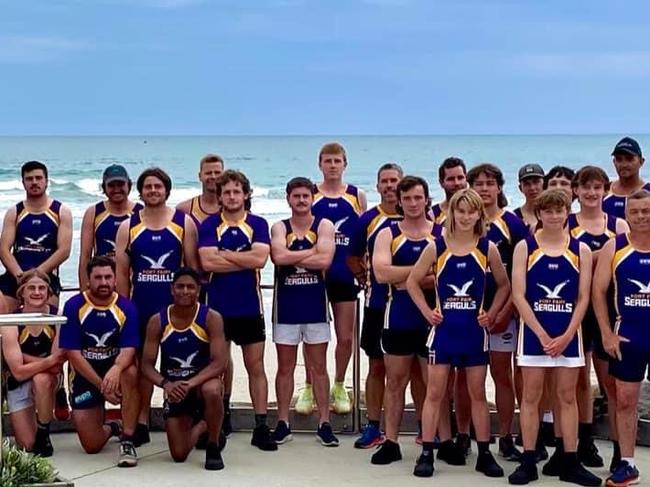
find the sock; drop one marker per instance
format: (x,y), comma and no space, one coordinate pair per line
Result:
(226,402)
(45,427)
(584,431)
(617,449)
(570,458)
(427,448)
(260,420)
(483,447)
(373,423)
(559,445)
(630,461)
(528,457)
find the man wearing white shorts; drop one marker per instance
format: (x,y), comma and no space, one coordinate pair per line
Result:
(302,248)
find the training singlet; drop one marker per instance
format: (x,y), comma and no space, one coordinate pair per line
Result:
(197,213)
(299,295)
(343,211)
(99,332)
(369,225)
(505,231)
(460,289)
(439,215)
(594,242)
(401,312)
(631,278)
(155,256)
(36,235)
(552,285)
(614,204)
(184,353)
(105,228)
(235,293)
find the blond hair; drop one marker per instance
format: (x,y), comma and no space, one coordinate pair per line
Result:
(475,203)
(552,198)
(28,276)
(332,148)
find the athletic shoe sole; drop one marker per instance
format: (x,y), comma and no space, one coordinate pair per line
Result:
(375,442)
(284,440)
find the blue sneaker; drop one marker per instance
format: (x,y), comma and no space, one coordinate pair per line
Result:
(624,475)
(370,436)
(326,436)
(281,433)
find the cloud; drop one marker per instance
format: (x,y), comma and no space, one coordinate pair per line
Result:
(21,49)
(585,63)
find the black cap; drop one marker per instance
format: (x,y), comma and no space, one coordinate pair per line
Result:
(627,145)
(115,172)
(531,171)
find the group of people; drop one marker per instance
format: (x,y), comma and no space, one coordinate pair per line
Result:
(450,290)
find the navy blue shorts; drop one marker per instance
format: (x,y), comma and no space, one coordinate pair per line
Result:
(84,395)
(633,364)
(405,342)
(341,292)
(459,360)
(244,330)
(191,406)
(371,329)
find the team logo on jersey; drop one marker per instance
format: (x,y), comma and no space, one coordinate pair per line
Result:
(639,299)
(461,298)
(157,272)
(301,277)
(340,238)
(101,341)
(33,244)
(185,366)
(553,302)
(461,292)
(100,350)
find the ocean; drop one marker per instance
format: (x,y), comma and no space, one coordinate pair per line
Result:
(76,164)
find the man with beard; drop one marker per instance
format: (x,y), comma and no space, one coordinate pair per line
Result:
(233,246)
(151,245)
(100,339)
(101,220)
(452,176)
(628,160)
(206,204)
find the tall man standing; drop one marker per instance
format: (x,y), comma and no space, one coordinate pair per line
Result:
(207,203)
(628,160)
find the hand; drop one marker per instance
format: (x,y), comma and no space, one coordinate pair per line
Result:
(556,346)
(114,399)
(612,345)
(485,320)
(544,339)
(57,358)
(177,390)
(433,317)
(501,321)
(111,383)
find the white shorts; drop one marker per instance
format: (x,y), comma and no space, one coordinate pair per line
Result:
(506,341)
(548,361)
(311,333)
(21,397)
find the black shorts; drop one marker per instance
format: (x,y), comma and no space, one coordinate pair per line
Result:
(634,363)
(373,324)
(191,406)
(590,330)
(405,342)
(341,292)
(9,285)
(244,330)
(84,395)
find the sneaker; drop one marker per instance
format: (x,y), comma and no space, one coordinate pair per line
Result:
(282,433)
(42,444)
(486,464)
(305,403)
(424,466)
(541,453)
(577,474)
(213,460)
(450,453)
(464,443)
(128,456)
(613,465)
(553,467)
(262,439)
(508,450)
(388,452)
(342,403)
(523,474)
(141,435)
(61,406)
(226,426)
(326,436)
(202,441)
(588,455)
(624,475)
(370,436)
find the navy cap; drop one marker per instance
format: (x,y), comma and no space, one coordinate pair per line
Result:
(627,145)
(531,171)
(115,172)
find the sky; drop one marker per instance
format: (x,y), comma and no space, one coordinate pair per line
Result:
(293,67)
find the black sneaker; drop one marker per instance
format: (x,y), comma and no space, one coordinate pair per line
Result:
(588,455)
(262,439)
(450,453)
(486,464)
(213,460)
(424,466)
(141,435)
(577,474)
(326,436)
(464,443)
(226,426)
(388,452)
(508,450)
(541,453)
(553,467)
(42,444)
(281,433)
(523,474)
(202,441)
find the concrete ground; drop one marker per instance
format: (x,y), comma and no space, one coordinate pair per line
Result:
(298,463)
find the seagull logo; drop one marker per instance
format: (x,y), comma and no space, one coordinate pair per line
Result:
(338,224)
(187,363)
(643,288)
(300,270)
(555,293)
(160,263)
(461,292)
(101,342)
(110,242)
(36,241)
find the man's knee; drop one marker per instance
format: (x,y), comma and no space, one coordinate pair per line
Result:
(43,382)
(179,455)
(212,390)
(129,377)
(626,400)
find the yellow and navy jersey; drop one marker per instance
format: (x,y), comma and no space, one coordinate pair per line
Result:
(155,256)
(401,311)
(368,226)
(184,352)
(105,228)
(99,332)
(631,278)
(594,242)
(299,295)
(234,293)
(439,215)
(198,214)
(343,211)
(460,290)
(36,234)
(614,204)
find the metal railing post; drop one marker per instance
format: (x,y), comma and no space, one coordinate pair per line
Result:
(356,372)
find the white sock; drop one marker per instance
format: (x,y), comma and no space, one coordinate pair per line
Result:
(548,417)
(630,461)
